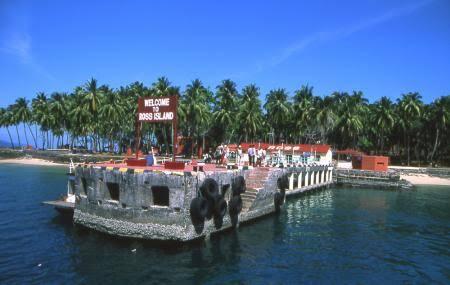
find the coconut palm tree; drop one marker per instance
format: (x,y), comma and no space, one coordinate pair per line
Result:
(440,118)
(250,113)
(43,116)
(58,109)
(384,118)
(5,122)
(196,106)
(410,110)
(92,98)
(111,112)
(303,111)
(325,118)
(279,111)
(161,87)
(79,116)
(22,114)
(225,111)
(351,113)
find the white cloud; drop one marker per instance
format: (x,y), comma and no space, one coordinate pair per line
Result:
(19,45)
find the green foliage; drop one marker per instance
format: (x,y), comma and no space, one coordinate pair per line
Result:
(102,118)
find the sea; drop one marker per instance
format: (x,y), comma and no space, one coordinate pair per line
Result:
(331,236)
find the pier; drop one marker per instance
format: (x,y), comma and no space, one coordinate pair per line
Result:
(309,178)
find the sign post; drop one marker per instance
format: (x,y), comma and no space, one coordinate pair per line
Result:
(158,110)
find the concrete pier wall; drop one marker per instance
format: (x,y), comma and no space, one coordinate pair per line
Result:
(126,202)
(372,179)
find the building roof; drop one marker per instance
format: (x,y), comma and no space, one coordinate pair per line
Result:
(318,148)
(349,151)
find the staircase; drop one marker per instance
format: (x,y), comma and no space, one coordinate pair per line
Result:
(255,182)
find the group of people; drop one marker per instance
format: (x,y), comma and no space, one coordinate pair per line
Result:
(256,157)
(222,154)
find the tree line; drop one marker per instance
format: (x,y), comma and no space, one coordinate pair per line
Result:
(103,119)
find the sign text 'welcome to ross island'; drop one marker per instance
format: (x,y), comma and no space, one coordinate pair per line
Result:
(157,109)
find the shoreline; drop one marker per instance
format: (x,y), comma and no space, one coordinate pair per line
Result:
(30,161)
(418,179)
(425,180)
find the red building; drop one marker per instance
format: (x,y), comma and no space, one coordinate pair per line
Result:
(369,162)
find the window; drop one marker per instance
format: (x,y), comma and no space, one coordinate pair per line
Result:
(113,189)
(160,195)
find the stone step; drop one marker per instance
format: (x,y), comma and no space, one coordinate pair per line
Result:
(248,195)
(254,188)
(256,179)
(248,199)
(255,183)
(258,174)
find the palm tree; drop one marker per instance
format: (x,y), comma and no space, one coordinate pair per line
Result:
(5,121)
(22,114)
(226,108)
(197,109)
(279,111)
(384,117)
(325,118)
(250,113)
(43,116)
(111,112)
(79,116)
(162,87)
(303,109)
(92,98)
(351,113)
(440,117)
(410,110)
(58,110)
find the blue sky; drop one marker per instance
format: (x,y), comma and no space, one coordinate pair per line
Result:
(383,48)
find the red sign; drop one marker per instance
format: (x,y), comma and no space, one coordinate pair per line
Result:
(157,109)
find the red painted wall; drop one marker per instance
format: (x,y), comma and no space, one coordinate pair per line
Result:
(375,163)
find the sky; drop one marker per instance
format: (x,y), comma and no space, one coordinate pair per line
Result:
(383,48)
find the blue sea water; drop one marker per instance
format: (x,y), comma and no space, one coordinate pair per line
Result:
(334,236)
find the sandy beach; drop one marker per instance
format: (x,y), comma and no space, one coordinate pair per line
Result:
(30,161)
(424,179)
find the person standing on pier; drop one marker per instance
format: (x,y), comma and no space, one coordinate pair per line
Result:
(226,153)
(239,155)
(251,155)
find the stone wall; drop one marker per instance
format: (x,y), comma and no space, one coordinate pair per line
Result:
(373,179)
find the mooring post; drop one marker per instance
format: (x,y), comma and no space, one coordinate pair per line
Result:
(306,178)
